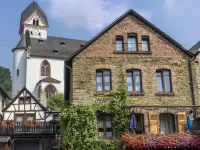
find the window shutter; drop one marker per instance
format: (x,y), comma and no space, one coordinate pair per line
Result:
(181,122)
(153,121)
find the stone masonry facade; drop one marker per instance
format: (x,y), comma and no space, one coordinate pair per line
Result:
(101,54)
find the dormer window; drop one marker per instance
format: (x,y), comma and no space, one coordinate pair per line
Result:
(62,43)
(55,51)
(41,41)
(82,44)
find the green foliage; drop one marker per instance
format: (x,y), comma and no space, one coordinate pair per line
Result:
(79,122)
(5,79)
(56,102)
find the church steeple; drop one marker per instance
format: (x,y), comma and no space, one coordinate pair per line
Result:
(35,21)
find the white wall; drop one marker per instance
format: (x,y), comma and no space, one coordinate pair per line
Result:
(33,74)
(19,62)
(42,28)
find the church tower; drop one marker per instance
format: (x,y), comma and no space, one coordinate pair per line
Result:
(34,22)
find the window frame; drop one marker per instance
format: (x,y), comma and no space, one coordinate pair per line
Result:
(45,66)
(34,22)
(24,99)
(143,122)
(22,115)
(163,80)
(121,38)
(136,40)
(37,22)
(25,116)
(173,119)
(99,118)
(48,94)
(133,80)
(103,79)
(148,43)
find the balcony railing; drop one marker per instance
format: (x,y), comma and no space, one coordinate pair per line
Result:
(20,127)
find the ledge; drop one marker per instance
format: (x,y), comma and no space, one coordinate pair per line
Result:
(164,94)
(103,94)
(137,52)
(136,93)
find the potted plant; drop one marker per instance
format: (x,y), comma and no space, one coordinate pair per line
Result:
(8,124)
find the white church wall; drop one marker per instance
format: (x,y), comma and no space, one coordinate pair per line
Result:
(1,99)
(19,62)
(36,17)
(39,31)
(33,74)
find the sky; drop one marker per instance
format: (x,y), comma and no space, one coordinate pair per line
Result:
(83,19)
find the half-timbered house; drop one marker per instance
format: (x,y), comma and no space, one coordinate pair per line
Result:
(27,123)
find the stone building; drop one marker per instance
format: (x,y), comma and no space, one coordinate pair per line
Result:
(157,70)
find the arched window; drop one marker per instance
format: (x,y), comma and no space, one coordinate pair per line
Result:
(45,69)
(167,123)
(50,90)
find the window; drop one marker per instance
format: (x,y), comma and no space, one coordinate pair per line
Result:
(103,80)
(167,123)
(19,118)
(50,90)
(24,100)
(45,68)
(119,44)
(134,80)
(24,117)
(21,100)
(132,42)
(56,117)
(37,22)
(163,78)
(145,44)
(34,22)
(105,126)
(30,117)
(138,126)
(17,72)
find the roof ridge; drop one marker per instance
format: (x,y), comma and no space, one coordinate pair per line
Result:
(66,38)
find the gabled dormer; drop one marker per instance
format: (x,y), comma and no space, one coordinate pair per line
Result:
(35,21)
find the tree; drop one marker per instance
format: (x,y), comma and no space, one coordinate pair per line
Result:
(56,102)
(5,79)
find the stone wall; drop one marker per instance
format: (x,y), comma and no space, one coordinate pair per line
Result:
(163,54)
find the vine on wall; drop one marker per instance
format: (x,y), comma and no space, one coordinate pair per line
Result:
(79,122)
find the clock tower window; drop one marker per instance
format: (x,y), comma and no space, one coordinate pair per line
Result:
(37,23)
(33,21)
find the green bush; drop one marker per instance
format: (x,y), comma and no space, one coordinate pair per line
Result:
(56,102)
(79,122)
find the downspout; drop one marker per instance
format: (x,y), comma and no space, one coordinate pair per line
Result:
(192,86)
(70,84)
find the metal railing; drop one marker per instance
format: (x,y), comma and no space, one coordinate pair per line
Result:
(20,127)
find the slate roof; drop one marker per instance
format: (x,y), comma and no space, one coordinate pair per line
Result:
(132,12)
(49,79)
(195,48)
(30,10)
(44,48)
